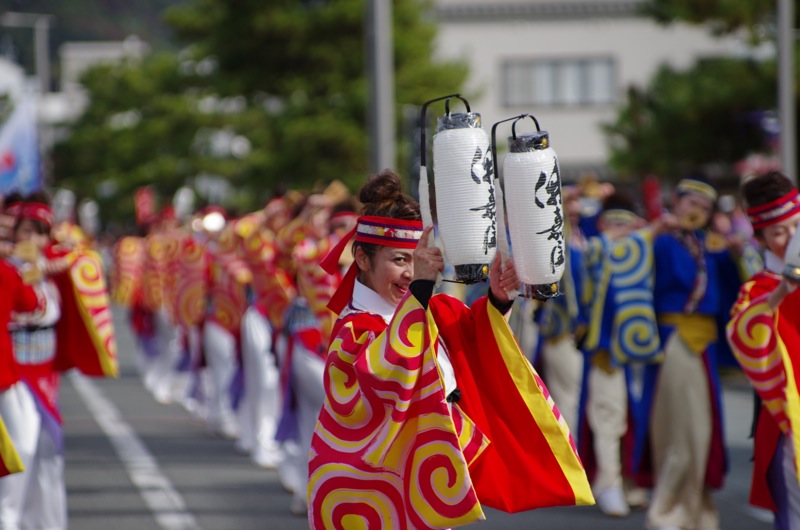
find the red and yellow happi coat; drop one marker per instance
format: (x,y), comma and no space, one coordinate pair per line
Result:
(767,346)
(314,284)
(389,452)
(229,276)
(85,331)
(126,278)
(273,287)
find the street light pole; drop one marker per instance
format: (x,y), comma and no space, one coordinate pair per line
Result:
(786,101)
(380,72)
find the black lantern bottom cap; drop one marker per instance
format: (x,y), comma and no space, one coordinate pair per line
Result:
(472,273)
(542,291)
(792,272)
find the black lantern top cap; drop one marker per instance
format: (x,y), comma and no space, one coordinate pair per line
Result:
(527,142)
(459,120)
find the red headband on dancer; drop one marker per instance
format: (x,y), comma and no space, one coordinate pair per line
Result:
(36,211)
(385,231)
(775,211)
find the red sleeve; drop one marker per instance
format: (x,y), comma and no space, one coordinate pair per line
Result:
(24,298)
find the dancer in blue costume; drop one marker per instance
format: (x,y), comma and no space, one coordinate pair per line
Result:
(622,339)
(696,278)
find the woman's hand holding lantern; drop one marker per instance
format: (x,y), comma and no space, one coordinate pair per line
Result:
(503,279)
(427,259)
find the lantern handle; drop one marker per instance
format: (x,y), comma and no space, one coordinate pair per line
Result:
(422,143)
(514,125)
(447,103)
(494,142)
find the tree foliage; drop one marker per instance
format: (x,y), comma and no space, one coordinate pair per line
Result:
(307,58)
(707,116)
(725,16)
(683,120)
(287,75)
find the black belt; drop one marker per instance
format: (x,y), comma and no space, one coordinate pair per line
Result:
(31,329)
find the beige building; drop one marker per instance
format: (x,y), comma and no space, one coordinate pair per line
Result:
(568,62)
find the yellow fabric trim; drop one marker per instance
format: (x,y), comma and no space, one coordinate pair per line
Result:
(553,430)
(697,331)
(618,216)
(698,188)
(8,453)
(599,300)
(792,399)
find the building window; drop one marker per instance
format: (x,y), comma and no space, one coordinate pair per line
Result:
(559,82)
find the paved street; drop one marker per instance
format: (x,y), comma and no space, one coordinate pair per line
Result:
(135,464)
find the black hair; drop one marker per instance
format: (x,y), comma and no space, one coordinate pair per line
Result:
(619,200)
(764,189)
(383,196)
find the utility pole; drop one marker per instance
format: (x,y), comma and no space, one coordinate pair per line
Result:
(786,76)
(41,27)
(380,73)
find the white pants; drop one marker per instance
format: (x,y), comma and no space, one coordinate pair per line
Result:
(307,374)
(220,350)
(563,372)
(607,409)
(162,378)
(260,406)
(35,499)
(681,430)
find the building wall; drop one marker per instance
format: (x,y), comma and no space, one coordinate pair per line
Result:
(636,45)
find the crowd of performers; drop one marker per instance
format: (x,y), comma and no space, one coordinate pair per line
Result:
(260,322)
(55,315)
(309,332)
(631,353)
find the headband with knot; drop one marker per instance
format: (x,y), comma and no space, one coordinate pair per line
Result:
(385,231)
(773,212)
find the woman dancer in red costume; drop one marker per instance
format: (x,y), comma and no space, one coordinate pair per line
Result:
(431,410)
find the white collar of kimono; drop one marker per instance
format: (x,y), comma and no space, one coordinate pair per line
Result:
(772,262)
(365,299)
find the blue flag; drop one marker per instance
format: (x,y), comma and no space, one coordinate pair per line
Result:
(19,150)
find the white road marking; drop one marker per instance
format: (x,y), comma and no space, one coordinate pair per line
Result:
(157,491)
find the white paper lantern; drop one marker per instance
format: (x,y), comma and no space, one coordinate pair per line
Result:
(532,190)
(465,200)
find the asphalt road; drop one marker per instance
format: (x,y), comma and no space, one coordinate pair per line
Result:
(132,463)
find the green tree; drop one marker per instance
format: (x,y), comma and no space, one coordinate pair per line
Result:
(685,120)
(287,75)
(144,126)
(306,59)
(704,116)
(724,15)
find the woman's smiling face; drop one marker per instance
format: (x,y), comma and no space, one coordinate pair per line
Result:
(388,272)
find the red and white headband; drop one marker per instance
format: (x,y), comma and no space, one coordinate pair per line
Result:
(36,211)
(773,212)
(386,231)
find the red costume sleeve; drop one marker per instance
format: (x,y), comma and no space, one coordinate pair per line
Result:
(767,345)
(85,331)
(23,297)
(531,461)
